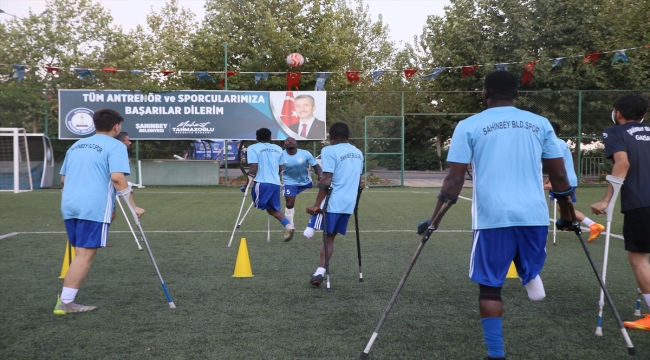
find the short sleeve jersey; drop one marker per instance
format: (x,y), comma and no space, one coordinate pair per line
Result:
(345,162)
(634,139)
(88,192)
(267,157)
(296,167)
(505,146)
(568,162)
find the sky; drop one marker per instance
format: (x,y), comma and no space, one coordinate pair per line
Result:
(405,18)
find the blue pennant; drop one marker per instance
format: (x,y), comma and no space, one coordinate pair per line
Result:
(139,72)
(618,56)
(20,72)
(261,76)
(203,75)
(434,74)
(377,74)
(502,67)
(557,62)
(84,73)
(321,77)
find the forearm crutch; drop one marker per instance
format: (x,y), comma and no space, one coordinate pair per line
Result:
(356,228)
(248,185)
(245,214)
(327,257)
(129,223)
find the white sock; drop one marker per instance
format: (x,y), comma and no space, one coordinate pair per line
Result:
(309,232)
(68,294)
(647,299)
(587,221)
(289,226)
(320,271)
(288,213)
(535,289)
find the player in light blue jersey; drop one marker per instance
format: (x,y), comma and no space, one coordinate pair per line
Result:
(295,174)
(509,213)
(594,228)
(93,169)
(342,169)
(264,160)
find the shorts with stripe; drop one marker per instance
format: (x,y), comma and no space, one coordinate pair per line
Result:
(266,196)
(336,223)
(636,230)
(493,250)
(293,190)
(86,234)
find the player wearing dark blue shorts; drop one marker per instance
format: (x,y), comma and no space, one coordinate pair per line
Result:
(93,169)
(342,169)
(509,213)
(264,160)
(295,174)
(628,144)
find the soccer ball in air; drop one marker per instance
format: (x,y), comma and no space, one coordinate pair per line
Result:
(295,60)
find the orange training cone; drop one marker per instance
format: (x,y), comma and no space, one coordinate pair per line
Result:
(67,259)
(243,264)
(512,272)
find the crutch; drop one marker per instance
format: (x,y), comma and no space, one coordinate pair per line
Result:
(245,214)
(327,257)
(616,183)
(268,228)
(554,219)
(125,198)
(639,296)
(356,228)
(129,223)
(250,181)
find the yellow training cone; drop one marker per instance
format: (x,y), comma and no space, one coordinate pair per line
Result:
(512,272)
(243,264)
(67,259)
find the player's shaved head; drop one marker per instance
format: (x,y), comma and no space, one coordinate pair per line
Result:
(339,131)
(263,134)
(501,85)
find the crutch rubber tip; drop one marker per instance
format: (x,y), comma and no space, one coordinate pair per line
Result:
(363,356)
(599,331)
(631,351)
(172,305)
(238,226)
(361,280)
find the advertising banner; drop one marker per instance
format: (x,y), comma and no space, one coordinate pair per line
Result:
(204,114)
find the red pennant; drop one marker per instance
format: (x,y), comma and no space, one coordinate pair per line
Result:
(647,46)
(52,69)
(288,114)
(293,79)
(469,70)
(167,72)
(109,70)
(353,76)
(593,57)
(528,73)
(409,72)
(229,73)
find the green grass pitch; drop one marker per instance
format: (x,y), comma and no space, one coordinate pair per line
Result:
(276,314)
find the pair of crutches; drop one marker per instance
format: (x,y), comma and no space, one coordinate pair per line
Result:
(129,223)
(240,219)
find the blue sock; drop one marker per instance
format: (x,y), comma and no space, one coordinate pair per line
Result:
(285,221)
(493,335)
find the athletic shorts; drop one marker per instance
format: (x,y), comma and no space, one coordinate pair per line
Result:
(336,223)
(573,196)
(86,234)
(493,250)
(266,196)
(293,190)
(636,229)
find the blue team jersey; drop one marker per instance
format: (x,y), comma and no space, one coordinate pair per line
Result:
(296,167)
(88,191)
(267,157)
(345,162)
(568,162)
(505,146)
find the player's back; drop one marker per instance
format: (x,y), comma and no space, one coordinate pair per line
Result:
(345,162)
(267,157)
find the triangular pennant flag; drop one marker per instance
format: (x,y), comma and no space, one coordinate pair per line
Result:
(409,72)
(83,73)
(288,114)
(528,73)
(52,69)
(646,46)
(261,76)
(352,76)
(502,67)
(434,74)
(593,57)
(139,72)
(377,74)
(321,77)
(167,72)
(20,72)
(469,70)
(619,56)
(557,62)
(109,70)
(293,79)
(229,73)
(203,75)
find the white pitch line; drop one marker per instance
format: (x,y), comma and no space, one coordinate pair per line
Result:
(8,235)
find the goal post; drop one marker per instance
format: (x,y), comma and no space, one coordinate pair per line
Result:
(15,168)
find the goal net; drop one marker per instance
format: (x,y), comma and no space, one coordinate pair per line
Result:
(15,169)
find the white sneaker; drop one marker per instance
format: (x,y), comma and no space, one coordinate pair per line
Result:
(288,232)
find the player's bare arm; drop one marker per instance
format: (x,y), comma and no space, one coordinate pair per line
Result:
(621,166)
(319,171)
(120,183)
(324,183)
(560,182)
(452,185)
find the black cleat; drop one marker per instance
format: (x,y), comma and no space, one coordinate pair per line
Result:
(491,358)
(316,280)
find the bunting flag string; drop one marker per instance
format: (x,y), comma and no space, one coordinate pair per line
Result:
(293,78)
(229,73)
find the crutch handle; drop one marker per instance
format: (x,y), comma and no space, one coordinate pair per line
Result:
(616,183)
